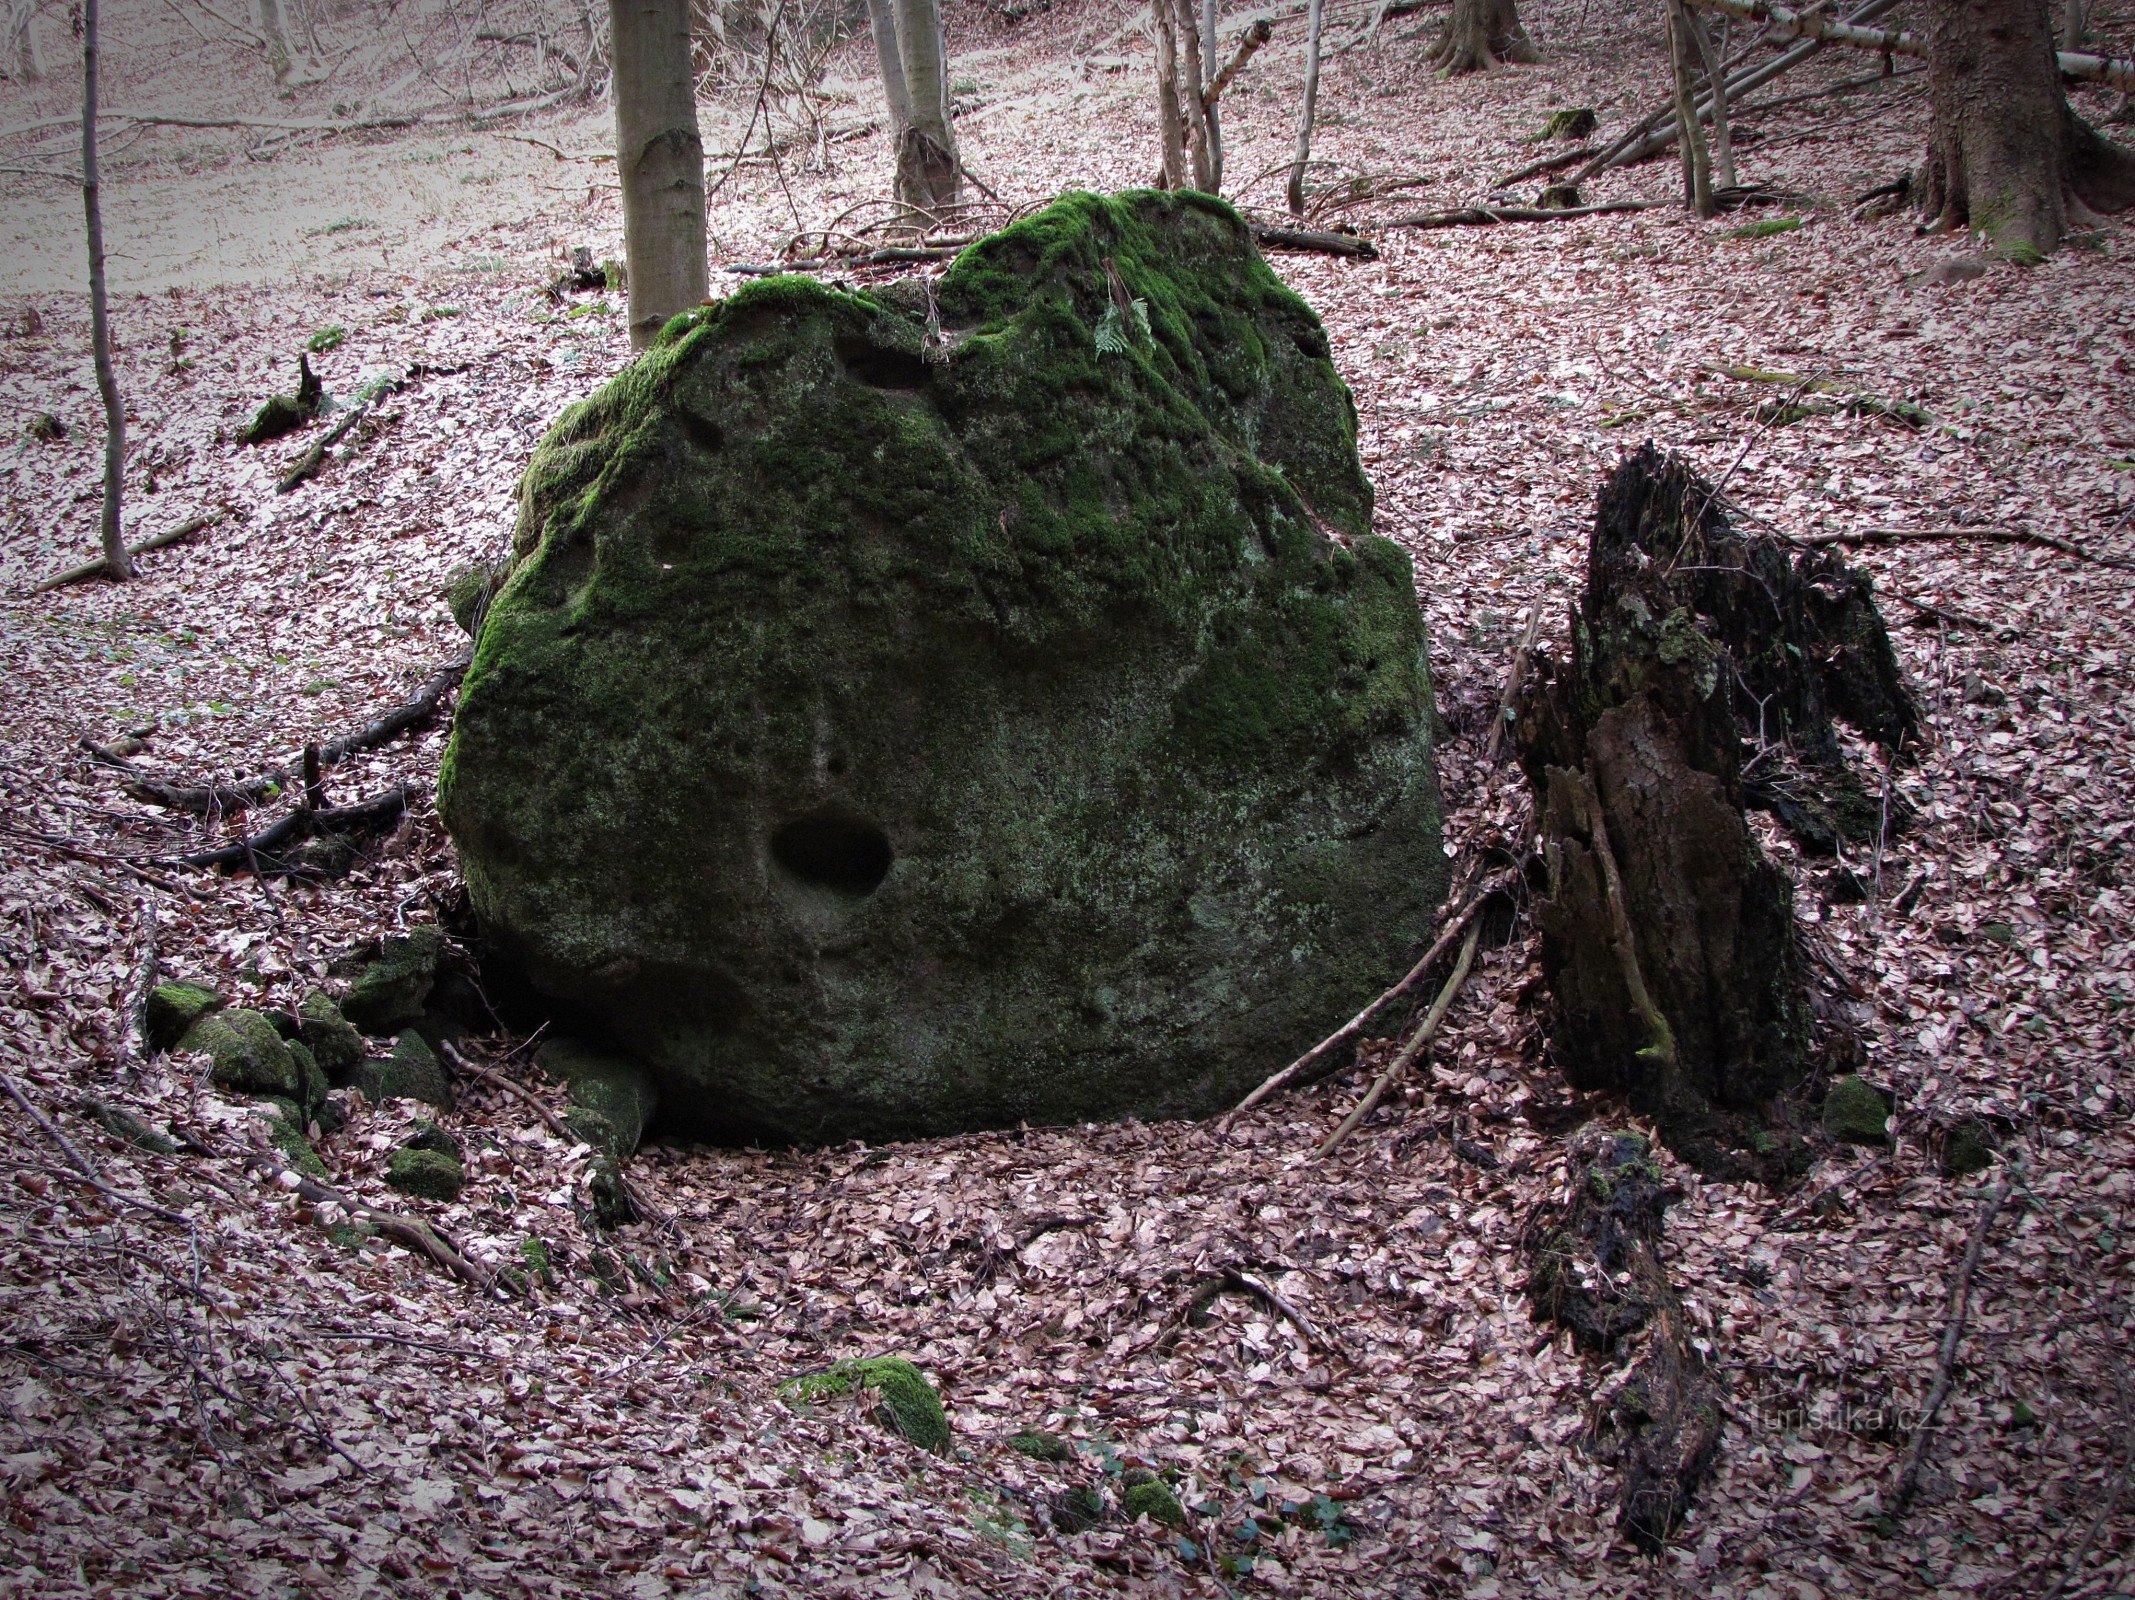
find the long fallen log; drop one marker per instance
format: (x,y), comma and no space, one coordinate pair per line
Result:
(1485,216)
(2079,65)
(1332,244)
(257,850)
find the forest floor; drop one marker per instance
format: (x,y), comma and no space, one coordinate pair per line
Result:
(216,1398)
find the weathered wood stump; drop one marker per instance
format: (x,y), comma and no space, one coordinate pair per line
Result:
(1669,943)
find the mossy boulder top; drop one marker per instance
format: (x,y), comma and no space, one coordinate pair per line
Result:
(933,709)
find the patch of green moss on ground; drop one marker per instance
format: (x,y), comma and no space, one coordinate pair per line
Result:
(1151,1497)
(1857,1112)
(908,1400)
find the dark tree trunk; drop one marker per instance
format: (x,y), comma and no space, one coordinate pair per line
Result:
(1668,936)
(1481,34)
(2006,156)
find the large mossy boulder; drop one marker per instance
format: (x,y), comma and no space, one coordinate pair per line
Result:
(912,711)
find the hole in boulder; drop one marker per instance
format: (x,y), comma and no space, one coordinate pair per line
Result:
(834,850)
(702,432)
(881,368)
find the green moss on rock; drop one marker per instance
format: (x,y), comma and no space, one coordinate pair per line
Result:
(389,990)
(1147,1495)
(285,1132)
(248,1056)
(1967,1148)
(879,737)
(1041,1446)
(612,1097)
(428,1174)
(172,1010)
(909,1403)
(412,1072)
(332,1039)
(469,590)
(1856,1112)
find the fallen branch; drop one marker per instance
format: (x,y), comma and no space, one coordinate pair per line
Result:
(1515,676)
(308,464)
(90,569)
(1409,1052)
(305,823)
(208,799)
(639,1201)
(1990,535)
(1332,244)
(1356,1024)
(1778,19)
(1485,216)
(1230,1280)
(1946,1366)
(419,1237)
(1535,169)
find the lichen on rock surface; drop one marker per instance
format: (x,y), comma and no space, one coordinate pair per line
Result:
(903,717)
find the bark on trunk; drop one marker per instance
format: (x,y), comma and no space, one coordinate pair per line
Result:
(1170,109)
(116,562)
(1296,193)
(275,36)
(1192,87)
(930,178)
(660,159)
(1710,60)
(1690,137)
(2006,156)
(1479,35)
(1210,114)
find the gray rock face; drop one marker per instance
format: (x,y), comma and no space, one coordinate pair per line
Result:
(894,726)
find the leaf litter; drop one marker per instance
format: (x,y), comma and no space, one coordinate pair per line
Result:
(215,1396)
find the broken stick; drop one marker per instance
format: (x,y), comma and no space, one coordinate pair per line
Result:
(1409,1052)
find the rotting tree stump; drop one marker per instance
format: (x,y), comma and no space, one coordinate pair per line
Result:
(1668,937)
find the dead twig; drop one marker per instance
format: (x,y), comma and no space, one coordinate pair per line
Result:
(1356,1024)
(1988,535)
(1486,216)
(1409,1051)
(1946,1366)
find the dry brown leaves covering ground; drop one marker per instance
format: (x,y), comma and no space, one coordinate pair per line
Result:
(214,1398)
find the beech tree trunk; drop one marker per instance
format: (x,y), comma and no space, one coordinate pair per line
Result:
(1481,34)
(2006,156)
(116,562)
(930,177)
(1690,136)
(659,155)
(1296,194)
(1170,107)
(1190,149)
(276,37)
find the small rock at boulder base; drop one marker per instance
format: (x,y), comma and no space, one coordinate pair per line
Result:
(172,1010)
(911,712)
(612,1098)
(429,1174)
(1856,1111)
(389,989)
(412,1072)
(248,1056)
(333,1041)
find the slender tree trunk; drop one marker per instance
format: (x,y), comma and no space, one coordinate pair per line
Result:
(1723,143)
(25,60)
(659,155)
(1697,161)
(1296,195)
(1170,113)
(2075,21)
(889,56)
(1209,113)
(2006,156)
(116,562)
(276,35)
(1192,84)
(1479,35)
(930,178)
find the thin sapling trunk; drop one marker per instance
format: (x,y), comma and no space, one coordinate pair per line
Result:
(1296,195)
(1723,143)
(1697,162)
(116,562)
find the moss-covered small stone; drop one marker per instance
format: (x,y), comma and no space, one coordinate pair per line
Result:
(469,590)
(390,989)
(331,1038)
(612,1097)
(1967,1148)
(312,1086)
(895,725)
(909,1403)
(412,1072)
(1078,1508)
(286,1134)
(429,1136)
(172,1010)
(535,1253)
(249,1056)
(1150,1496)
(120,1122)
(429,1174)
(1041,1446)
(1856,1112)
